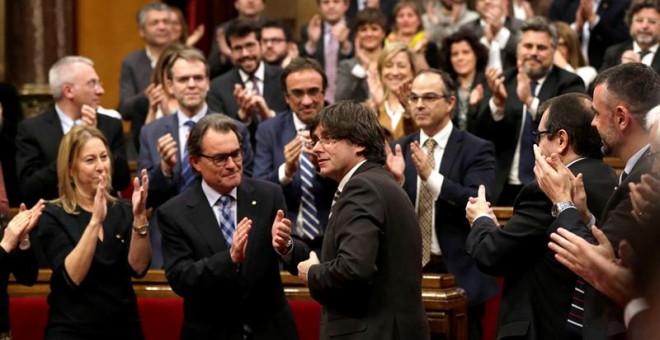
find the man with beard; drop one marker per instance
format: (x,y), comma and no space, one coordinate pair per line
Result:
(250,91)
(277,43)
(644,20)
(511,114)
(623,95)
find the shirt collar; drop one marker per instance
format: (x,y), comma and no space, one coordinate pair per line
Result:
(213,196)
(258,73)
(652,49)
(183,118)
(442,137)
(630,164)
(348,176)
(66,121)
(575,161)
(300,126)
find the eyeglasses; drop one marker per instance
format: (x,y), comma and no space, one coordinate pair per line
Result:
(248,47)
(220,160)
(311,92)
(325,141)
(537,135)
(427,98)
(273,41)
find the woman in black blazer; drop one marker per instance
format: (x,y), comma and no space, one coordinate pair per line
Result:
(465,59)
(95,244)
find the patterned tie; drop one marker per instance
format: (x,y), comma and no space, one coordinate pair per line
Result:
(526,159)
(334,200)
(331,51)
(576,312)
(643,54)
(425,206)
(255,85)
(187,174)
(310,217)
(226,220)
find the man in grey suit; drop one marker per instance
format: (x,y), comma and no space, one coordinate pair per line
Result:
(155,29)
(161,142)
(368,278)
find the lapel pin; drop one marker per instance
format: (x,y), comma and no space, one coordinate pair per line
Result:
(254,202)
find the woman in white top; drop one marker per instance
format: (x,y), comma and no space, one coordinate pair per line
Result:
(569,56)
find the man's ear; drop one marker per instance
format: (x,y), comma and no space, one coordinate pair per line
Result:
(564,141)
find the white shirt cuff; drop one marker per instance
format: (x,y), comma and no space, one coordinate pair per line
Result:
(497,115)
(634,307)
(281,173)
(434,183)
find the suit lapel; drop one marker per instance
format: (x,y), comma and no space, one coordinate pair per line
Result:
(655,64)
(172,127)
(452,149)
(548,87)
(411,172)
(203,219)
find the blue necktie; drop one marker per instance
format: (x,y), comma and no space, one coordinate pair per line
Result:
(187,174)
(226,220)
(310,217)
(526,161)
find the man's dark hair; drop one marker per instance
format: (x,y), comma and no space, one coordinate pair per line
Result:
(242,27)
(638,5)
(188,54)
(540,24)
(448,84)
(635,85)
(214,121)
(288,34)
(355,123)
(300,63)
(572,113)
(480,51)
(369,16)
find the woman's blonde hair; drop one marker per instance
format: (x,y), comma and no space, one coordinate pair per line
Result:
(389,52)
(67,157)
(575,57)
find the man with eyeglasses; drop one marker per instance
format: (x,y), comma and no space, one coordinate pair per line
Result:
(643,17)
(511,111)
(77,92)
(368,276)
(161,142)
(623,95)
(537,288)
(284,154)
(277,43)
(250,91)
(217,243)
(440,167)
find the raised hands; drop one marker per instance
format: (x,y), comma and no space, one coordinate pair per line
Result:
(420,161)
(554,178)
(645,196)
(139,198)
(249,103)
(523,90)
(239,241)
(194,37)
(495,80)
(20,226)
(292,152)
(303,267)
(479,206)
(313,32)
(476,95)
(281,232)
(394,163)
(88,115)
(100,208)
(168,151)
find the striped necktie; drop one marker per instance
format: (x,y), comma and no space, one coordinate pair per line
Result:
(226,220)
(187,174)
(310,217)
(526,158)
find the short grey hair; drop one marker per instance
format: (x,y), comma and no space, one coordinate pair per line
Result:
(154,6)
(59,73)
(540,24)
(653,119)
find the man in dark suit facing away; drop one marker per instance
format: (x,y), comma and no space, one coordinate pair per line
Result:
(537,289)
(368,277)
(217,245)
(440,167)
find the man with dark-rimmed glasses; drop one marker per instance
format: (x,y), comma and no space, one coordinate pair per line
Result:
(440,167)
(537,288)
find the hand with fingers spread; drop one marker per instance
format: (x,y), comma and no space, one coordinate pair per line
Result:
(168,151)
(479,206)
(303,267)
(376,90)
(88,115)
(421,161)
(554,178)
(341,32)
(313,32)
(495,80)
(239,241)
(645,196)
(594,263)
(281,232)
(195,36)
(394,162)
(20,226)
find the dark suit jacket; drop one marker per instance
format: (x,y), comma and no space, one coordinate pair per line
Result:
(219,297)
(505,133)
(272,136)
(602,318)
(369,279)
(611,28)
(350,87)
(472,113)
(613,56)
(319,54)
(162,188)
(537,289)
(134,78)
(37,143)
(508,54)
(467,162)
(12,114)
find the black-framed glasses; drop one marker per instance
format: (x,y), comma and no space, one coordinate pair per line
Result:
(427,98)
(220,160)
(324,141)
(537,135)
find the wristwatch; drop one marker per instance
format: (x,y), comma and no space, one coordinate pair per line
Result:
(141,230)
(24,244)
(558,207)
